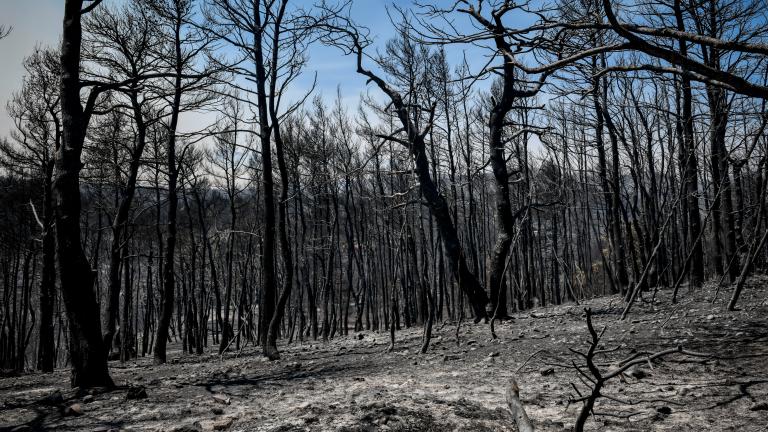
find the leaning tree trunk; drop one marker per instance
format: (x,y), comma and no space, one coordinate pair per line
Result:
(467,281)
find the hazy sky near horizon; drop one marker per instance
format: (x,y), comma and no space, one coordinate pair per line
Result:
(39,22)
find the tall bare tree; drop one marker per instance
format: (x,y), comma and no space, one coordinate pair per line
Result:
(185,50)
(76,277)
(36,113)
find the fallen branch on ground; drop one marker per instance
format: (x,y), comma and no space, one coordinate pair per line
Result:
(516,407)
(595,379)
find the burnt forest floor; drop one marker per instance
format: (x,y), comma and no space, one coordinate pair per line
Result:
(352,384)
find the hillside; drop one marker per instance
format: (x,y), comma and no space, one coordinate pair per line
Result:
(352,384)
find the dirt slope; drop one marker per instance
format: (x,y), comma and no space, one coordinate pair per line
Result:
(350,384)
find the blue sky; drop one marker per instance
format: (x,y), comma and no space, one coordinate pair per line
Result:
(38,22)
(34,22)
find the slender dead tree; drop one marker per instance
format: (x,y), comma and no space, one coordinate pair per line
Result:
(37,118)
(345,35)
(122,43)
(187,86)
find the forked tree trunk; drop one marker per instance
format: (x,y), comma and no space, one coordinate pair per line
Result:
(270,349)
(87,354)
(267,306)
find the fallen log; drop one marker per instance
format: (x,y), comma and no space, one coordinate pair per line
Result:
(516,407)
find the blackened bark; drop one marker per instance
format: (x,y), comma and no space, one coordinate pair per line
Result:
(87,354)
(619,250)
(267,306)
(723,225)
(689,164)
(169,278)
(46,356)
(505,220)
(270,349)
(282,214)
(121,219)
(466,279)
(226,326)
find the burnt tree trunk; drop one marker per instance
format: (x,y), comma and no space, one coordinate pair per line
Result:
(169,278)
(121,219)
(267,306)
(467,280)
(270,348)
(46,354)
(689,164)
(87,354)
